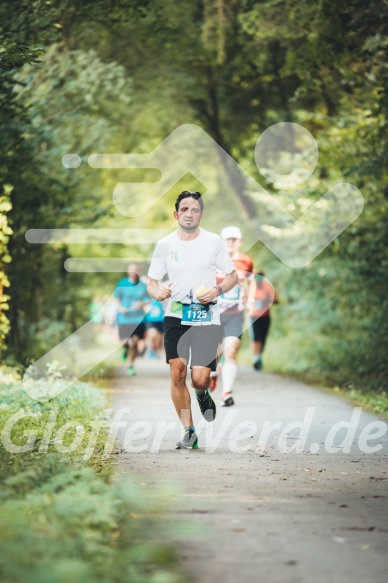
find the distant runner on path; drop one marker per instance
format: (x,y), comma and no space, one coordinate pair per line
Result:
(131,295)
(154,322)
(190,257)
(259,316)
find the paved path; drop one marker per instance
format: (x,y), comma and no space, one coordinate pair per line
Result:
(257,513)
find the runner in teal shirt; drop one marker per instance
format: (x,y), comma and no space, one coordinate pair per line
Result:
(131,295)
(154,329)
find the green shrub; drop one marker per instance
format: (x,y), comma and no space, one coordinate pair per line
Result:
(59,525)
(80,408)
(62,517)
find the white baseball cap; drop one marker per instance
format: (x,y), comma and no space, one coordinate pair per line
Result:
(231,233)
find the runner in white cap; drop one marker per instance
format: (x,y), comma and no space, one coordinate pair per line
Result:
(232,305)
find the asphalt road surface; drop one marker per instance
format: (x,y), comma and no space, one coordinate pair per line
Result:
(262,500)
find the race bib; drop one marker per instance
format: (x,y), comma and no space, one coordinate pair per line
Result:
(196,313)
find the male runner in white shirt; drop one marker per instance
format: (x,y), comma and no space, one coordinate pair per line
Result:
(190,257)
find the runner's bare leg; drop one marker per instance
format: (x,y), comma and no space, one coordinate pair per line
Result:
(179,392)
(132,353)
(200,378)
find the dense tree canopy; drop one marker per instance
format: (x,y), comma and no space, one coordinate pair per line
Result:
(119,76)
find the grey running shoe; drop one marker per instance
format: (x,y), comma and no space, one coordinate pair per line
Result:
(189,441)
(207,406)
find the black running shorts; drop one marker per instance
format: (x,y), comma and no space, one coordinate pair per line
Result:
(128,330)
(159,326)
(259,329)
(198,342)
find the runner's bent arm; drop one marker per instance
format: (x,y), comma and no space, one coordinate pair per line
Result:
(157,290)
(117,298)
(228,282)
(120,306)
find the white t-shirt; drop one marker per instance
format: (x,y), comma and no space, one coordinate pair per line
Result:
(190,265)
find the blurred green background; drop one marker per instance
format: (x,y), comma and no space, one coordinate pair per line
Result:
(118,76)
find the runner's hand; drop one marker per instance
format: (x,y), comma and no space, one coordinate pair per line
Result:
(164,292)
(208,296)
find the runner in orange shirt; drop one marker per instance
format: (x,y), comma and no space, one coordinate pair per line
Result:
(260,319)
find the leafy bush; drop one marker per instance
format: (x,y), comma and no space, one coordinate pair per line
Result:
(59,525)
(79,408)
(62,520)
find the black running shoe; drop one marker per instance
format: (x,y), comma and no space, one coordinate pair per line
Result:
(227,400)
(207,406)
(189,441)
(258,365)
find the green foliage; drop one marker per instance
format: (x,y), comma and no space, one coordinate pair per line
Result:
(340,299)
(23,29)
(120,76)
(69,109)
(378,403)
(16,56)
(59,525)
(61,520)
(81,405)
